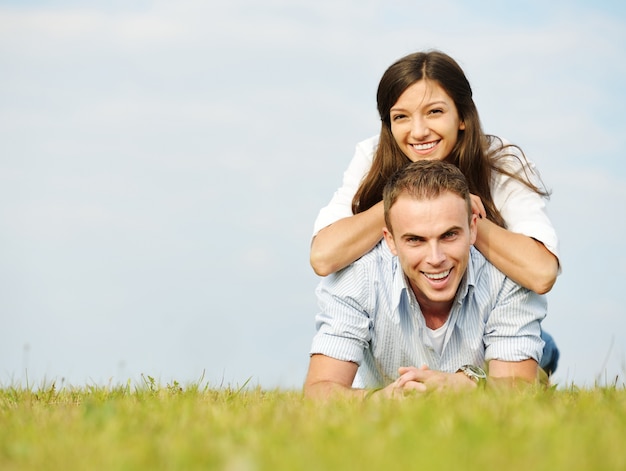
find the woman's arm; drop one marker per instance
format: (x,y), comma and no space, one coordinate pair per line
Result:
(521,258)
(338,245)
(339,237)
(527,250)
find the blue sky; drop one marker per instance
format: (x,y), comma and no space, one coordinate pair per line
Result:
(161,165)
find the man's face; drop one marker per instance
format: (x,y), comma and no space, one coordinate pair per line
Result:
(432,239)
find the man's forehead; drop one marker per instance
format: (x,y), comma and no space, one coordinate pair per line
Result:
(417,199)
(431,210)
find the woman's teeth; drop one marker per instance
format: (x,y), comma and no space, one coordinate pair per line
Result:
(427,146)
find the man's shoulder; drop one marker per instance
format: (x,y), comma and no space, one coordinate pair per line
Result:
(377,259)
(364,280)
(486,278)
(482,270)
(378,263)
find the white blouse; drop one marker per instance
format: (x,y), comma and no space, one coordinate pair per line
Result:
(524,211)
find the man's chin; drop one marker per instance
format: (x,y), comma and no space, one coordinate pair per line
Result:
(444,295)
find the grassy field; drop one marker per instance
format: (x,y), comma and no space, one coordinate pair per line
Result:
(171,427)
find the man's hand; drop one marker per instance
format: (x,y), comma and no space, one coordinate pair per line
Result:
(424,379)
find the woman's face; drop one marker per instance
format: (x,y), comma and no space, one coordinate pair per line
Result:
(425,122)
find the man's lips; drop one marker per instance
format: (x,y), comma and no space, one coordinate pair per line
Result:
(437,276)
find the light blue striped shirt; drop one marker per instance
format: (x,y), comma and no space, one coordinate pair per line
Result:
(369,316)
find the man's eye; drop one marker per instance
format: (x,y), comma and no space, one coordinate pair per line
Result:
(450,235)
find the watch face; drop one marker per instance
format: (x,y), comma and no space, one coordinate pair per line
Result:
(476,371)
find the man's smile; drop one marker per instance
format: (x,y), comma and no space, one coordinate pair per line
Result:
(437,276)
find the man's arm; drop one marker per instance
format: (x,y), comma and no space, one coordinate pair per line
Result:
(501,373)
(512,338)
(513,372)
(328,376)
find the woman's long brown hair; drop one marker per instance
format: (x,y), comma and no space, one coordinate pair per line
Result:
(474,153)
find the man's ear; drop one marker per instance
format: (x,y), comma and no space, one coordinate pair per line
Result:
(473,226)
(389,239)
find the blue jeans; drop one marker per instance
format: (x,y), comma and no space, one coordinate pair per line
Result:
(550,358)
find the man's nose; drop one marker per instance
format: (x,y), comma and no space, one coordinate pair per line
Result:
(436,256)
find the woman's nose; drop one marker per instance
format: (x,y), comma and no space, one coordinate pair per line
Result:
(419,128)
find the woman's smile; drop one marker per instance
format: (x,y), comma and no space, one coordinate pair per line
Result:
(425,148)
(425,122)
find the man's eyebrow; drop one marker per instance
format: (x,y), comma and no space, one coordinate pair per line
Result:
(411,235)
(451,229)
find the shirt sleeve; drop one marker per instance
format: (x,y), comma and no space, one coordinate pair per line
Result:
(343,324)
(524,211)
(513,329)
(340,206)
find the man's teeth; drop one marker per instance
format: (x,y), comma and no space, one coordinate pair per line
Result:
(430,145)
(437,276)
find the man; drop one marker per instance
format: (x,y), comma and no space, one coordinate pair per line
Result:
(423,310)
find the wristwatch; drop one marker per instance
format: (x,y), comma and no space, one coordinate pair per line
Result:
(475,373)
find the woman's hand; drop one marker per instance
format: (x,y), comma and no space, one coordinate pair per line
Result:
(523,259)
(477,207)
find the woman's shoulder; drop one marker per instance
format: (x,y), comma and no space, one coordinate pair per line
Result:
(369,145)
(512,165)
(508,156)
(363,156)
(500,145)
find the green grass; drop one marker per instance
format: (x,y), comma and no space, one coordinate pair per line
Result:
(170,427)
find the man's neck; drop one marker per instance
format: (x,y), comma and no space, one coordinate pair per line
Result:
(435,313)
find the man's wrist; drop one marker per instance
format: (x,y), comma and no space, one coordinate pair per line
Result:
(475,374)
(371,392)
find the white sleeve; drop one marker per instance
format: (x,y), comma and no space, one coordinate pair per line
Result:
(513,329)
(340,206)
(524,211)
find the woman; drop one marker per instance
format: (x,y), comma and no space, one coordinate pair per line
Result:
(427,112)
